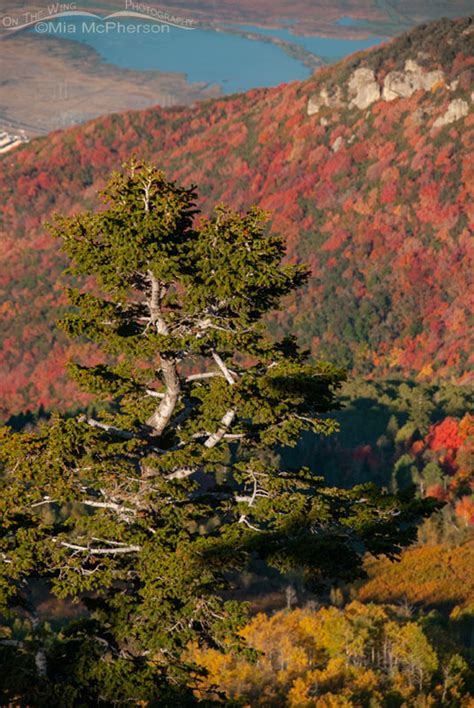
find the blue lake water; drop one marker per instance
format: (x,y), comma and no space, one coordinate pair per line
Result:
(232,61)
(349,22)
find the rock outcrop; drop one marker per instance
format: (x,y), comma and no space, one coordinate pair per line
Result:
(329,99)
(337,144)
(402,84)
(363,88)
(457,109)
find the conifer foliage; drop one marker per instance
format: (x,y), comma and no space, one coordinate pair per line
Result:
(147,510)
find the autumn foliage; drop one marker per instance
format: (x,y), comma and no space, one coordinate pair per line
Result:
(359,655)
(450,445)
(378,201)
(401,637)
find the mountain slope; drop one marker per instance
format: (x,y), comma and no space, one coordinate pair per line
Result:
(367,168)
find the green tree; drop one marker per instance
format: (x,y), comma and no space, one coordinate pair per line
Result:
(170,489)
(411,653)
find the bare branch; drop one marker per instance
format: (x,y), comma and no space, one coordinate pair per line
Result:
(227,375)
(306,419)
(101,551)
(243,520)
(46,500)
(228,418)
(216,437)
(109,505)
(106,540)
(126,434)
(244,499)
(146,194)
(204,375)
(155,394)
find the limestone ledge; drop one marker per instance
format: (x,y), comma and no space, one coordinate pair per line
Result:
(363,89)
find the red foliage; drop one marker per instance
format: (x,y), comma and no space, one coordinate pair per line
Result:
(465,510)
(383,221)
(445,436)
(437,491)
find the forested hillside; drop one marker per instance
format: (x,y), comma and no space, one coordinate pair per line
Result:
(397,434)
(367,168)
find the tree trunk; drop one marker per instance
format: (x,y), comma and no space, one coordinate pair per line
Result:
(162,415)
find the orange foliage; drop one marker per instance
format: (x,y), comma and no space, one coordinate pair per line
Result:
(429,575)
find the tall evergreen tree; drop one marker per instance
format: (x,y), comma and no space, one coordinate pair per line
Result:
(148,510)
